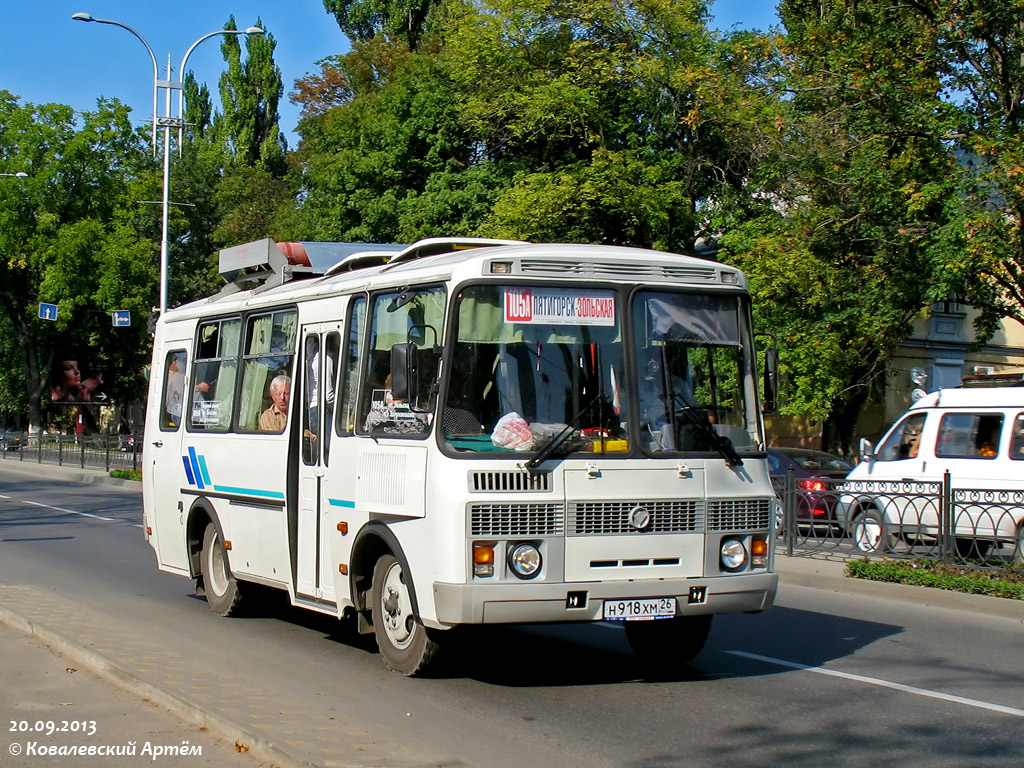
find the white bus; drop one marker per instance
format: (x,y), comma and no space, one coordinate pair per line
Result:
(466,432)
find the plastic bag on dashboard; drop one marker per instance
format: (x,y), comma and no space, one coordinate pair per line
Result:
(512,432)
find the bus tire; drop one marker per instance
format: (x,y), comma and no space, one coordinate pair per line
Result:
(668,643)
(404,643)
(222,590)
(870,532)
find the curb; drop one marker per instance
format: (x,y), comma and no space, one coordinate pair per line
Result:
(66,472)
(830,575)
(108,670)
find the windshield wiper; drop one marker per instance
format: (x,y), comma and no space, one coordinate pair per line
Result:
(556,442)
(695,416)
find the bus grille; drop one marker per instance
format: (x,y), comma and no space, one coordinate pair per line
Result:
(738,514)
(667,516)
(516,519)
(504,480)
(631,270)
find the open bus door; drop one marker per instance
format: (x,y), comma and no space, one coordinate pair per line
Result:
(319,353)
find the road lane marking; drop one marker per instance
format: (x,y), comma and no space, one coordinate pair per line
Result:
(883,684)
(70,511)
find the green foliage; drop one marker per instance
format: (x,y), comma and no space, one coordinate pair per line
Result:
(404,20)
(1008,582)
(616,198)
(250,91)
(377,155)
(839,226)
(62,242)
(127,474)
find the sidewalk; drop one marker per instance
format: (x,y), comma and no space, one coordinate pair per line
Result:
(44,691)
(823,572)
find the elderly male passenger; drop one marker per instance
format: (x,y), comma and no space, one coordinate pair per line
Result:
(275,417)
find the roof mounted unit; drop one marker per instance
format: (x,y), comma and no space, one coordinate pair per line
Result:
(259,264)
(263,264)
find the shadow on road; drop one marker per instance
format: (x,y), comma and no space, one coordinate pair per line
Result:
(598,654)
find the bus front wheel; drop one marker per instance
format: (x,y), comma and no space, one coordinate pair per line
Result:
(222,590)
(668,643)
(405,644)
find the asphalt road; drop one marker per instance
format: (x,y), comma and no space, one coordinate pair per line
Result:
(848,678)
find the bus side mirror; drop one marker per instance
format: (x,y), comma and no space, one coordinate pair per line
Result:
(404,370)
(771,380)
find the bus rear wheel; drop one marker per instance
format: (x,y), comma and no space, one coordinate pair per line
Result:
(222,590)
(405,644)
(668,643)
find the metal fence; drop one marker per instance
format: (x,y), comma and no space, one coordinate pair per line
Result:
(95,451)
(925,519)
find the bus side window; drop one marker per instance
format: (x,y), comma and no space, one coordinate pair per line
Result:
(348,372)
(413,315)
(269,350)
(213,379)
(174,390)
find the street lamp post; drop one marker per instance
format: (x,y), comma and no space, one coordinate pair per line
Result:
(167,121)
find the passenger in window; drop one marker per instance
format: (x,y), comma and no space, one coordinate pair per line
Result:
(174,391)
(275,418)
(911,442)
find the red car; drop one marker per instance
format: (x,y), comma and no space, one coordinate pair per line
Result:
(812,473)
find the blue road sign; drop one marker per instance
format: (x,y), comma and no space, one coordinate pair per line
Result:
(48,311)
(121,318)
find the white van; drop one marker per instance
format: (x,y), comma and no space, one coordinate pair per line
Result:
(974,433)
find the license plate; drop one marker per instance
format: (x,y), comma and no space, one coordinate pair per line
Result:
(640,609)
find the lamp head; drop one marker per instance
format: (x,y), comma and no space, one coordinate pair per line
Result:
(82,17)
(255,31)
(21,175)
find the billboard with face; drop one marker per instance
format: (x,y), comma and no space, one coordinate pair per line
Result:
(74,379)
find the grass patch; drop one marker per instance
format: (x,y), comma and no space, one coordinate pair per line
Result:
(1007,582)
(127,474)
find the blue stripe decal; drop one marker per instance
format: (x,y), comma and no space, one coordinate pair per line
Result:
(195,467)
(342,503)
(250,492)
(202,468)
(188,470)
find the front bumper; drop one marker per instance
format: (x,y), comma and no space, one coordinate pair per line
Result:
(584,601)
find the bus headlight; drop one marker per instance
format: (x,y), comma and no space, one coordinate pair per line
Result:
(524,560)
(734,555)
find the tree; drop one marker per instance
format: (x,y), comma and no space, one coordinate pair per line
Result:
(615,117)
(64,241)
(381,166)
(232,174)
(404,20)
(841,234)
(982,49)
(249,124)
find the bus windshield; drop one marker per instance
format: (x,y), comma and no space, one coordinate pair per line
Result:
(694,375)
(532,364)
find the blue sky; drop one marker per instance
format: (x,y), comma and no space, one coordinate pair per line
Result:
(46,57)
